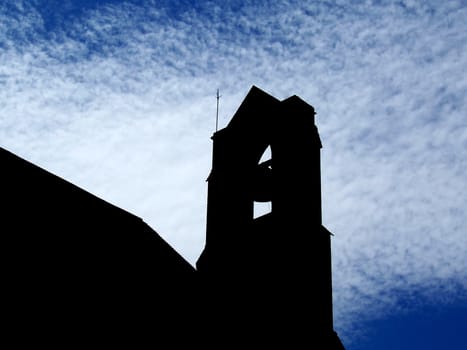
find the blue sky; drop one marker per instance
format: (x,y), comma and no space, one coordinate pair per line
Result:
(118,97)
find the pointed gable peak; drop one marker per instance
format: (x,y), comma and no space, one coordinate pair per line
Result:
(255,107)
(297,102)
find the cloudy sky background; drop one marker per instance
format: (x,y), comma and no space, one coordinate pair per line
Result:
(119,97)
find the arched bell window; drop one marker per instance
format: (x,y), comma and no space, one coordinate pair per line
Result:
(262,187)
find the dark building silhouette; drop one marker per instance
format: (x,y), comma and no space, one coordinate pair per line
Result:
(259,282)
(275,270)
(79,269)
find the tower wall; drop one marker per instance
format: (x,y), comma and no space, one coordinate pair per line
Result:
(274,270)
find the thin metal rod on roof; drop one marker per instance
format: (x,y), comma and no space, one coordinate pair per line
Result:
(217,109)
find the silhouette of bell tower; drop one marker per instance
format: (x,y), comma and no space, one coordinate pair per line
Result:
(272,272)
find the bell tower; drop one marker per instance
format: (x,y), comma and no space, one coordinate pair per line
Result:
(273,273)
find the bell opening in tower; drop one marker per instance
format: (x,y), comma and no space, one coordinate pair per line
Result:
(262,204)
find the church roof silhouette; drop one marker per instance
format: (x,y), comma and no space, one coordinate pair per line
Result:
(80,268)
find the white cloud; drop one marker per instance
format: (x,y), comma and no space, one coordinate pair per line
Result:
(121,101)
